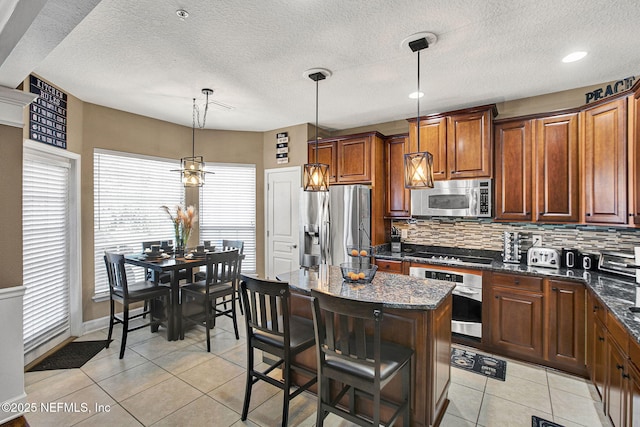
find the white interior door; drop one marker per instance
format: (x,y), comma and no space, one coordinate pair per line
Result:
(283,188)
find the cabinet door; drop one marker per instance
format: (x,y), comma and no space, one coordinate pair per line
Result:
(516,321)
(398,200)
(635,156)
(513,143)
(615,391)
(605,163)
(354,160)
(327,153)
(469,153)
(566,302)
(433,138)
(595,345)
(389,266)
(633,396)
(556,169)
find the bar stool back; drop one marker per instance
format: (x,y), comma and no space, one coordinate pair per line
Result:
(349,354)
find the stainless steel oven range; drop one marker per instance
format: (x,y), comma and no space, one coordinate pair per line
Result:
(467,298)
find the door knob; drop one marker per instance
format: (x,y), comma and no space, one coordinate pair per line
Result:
(294,246)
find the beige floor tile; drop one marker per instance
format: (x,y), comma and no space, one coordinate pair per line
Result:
(535,373)
(247,423)
(183,359)
(602,422)
(70,409)
(30,378)
(572,384)
(270,413)
(521,391)
(468,379)
(202,411)
(231,393)
(580,410)
(158,346)
(54,387)
(449,420)
(238,355)
(499,412)
(222,342)
(155,403)
(464,402)
(106,367)
(125,384)
(211,374)
(116,416)
(98,335)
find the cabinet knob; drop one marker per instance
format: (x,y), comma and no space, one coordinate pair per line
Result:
(527,213)
(600,338)
(497,297)
(554,289)
(619,367)
(587,214)
(625,376)
(454,172)
(595,308)
(516,282)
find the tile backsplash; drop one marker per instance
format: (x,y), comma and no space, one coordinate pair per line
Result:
(484,234)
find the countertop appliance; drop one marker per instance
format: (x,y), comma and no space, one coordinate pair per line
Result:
(570,258)
(618,263)
(332,222)
(511,246)
(456,198)
(466,317)
(543,257)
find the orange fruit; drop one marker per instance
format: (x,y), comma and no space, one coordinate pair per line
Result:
(354,252)
(363,253)
(353,276)
(361,275)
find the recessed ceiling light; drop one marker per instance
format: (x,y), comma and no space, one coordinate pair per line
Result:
(415,95)
(182,14)
(574,56)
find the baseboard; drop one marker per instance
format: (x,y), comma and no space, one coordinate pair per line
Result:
(18,402)
(11,356)
(103,322)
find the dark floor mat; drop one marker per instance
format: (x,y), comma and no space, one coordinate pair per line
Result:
(479,363)
(541,422)
(73,355)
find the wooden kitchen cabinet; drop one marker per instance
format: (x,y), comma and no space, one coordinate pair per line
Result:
(327,154)
(634,155)
(615,389)
(596,343)
(566,320)
(398,198)
(354,160)
(513,150)
(460,142)
(605,163)
(556,169)
(389,266)
(516,311)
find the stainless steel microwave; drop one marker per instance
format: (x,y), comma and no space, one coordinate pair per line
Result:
(459,198)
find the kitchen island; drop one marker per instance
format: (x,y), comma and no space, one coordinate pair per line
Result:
(417,315)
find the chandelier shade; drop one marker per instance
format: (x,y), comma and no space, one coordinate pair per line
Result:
(192,168)
(418,166)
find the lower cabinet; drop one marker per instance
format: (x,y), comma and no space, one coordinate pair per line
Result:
(389,266)
(539,320)
(615,390)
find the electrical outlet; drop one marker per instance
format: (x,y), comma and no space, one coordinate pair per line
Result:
(404,233)
(537,239)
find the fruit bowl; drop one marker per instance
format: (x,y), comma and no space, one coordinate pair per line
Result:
(355,251)
(358,272)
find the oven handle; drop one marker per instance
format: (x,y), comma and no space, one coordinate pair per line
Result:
(465,291)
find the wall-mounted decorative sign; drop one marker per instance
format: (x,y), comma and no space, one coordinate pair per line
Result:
(610,89)
(48,114)
(282,148)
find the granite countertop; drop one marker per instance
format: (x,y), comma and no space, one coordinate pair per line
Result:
(393,290)
(617,293)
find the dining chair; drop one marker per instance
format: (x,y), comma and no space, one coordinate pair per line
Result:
(358,360)
(272,329)
(205,300)
(228,245)
(126,294)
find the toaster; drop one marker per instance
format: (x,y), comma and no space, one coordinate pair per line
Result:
(543,257)
(618,263)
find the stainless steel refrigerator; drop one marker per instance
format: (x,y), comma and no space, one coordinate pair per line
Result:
(332,222)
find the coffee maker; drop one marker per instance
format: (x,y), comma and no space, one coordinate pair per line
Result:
(512,245)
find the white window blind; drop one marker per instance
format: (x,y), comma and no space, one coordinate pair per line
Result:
(228,208)
(45,231)
(129,192)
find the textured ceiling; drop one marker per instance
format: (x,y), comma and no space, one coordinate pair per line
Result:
(138,56)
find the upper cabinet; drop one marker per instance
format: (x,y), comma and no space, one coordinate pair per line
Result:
(634,154)
(556,169)
(460,142)
(398,198)
(605,163)
(327,153)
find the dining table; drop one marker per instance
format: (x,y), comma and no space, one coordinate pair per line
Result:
(171,265)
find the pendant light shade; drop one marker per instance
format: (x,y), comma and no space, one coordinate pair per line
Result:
(418,166)
(316,175)
(192,168)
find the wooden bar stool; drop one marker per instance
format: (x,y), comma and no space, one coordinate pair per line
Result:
(271,329)
(360,362)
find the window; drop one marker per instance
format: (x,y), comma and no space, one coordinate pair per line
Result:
(228,208)
(46,252)
(129,192)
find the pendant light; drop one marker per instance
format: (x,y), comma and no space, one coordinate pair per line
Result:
(316,175)
(192,168)
(418,167)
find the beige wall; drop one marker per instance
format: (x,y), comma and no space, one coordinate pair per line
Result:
(298,137)
(387,128)
(11,206)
